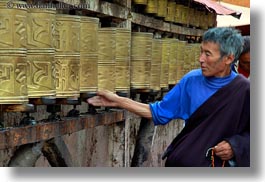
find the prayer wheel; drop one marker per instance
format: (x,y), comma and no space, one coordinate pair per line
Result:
(89,55)
(122,60)
(178,13)
(162,8)
(13,62)
(197,52)
(180,59)
(171,11)
(151,6)
(142,2)
(188,58)
(106,58)
(41,52)
(156,64)
(141,54)
(165,63)
(67,56)
(172,73)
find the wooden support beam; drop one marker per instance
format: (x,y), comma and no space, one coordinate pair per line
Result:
(13,137)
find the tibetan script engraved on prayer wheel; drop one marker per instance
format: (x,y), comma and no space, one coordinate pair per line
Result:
(106,58)
(165,63)
(40,54)
(13,65)
(122,60)
(156,64)
(141,54)
(67,56)
(89,54)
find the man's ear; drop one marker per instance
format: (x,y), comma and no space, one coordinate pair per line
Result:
(229,59)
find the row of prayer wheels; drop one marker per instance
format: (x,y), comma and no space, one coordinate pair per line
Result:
(178,13)
(44,54)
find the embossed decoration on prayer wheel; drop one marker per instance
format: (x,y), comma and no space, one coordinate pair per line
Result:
(211,19)
(197,52)
(180,59)
(141,54)
(188,58)
(122,61)
(13,76)
(171,11)
(165,63)
(67,56)
(106,58)
(156,64)
(191,15)
(185,15)
(40,54)
(197,15)
(178,13)
(162,8)
(89,54)
(13,63)
(143,2)
(172,75)
(151,6)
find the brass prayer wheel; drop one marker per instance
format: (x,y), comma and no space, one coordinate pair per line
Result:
(180,59)
(41,52)
(165,63)
(67,56)
(156,64)
(151,6)
(172,73)
(106,58)
(171,11)
(188,58)
(141,54)
(13,63)
(122,60)
(162,8)
(89,54)
(178,13)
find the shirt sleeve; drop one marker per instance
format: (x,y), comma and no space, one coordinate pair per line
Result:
(168,108)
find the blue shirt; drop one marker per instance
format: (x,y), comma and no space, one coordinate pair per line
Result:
(190,93)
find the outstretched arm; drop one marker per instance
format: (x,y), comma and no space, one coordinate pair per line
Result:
(109,99)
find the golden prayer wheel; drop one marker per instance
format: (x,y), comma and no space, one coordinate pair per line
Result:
(162,8)
(211,19)
(185,15)
(141,54)
(151,6)
(172,73)
(188,58)
(143,2)
(197,52)
(171,11)
(89,54)
(106,58)
(165,63)
(180,59)
(67,56)
(192,17)
(197,15)
(41,52)
(156,64)
(178,13)
(203,20)
(13,63)
(122,60)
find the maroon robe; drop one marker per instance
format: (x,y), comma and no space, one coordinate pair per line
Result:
(224,116)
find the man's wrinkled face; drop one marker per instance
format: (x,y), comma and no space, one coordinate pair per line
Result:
(212,64)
